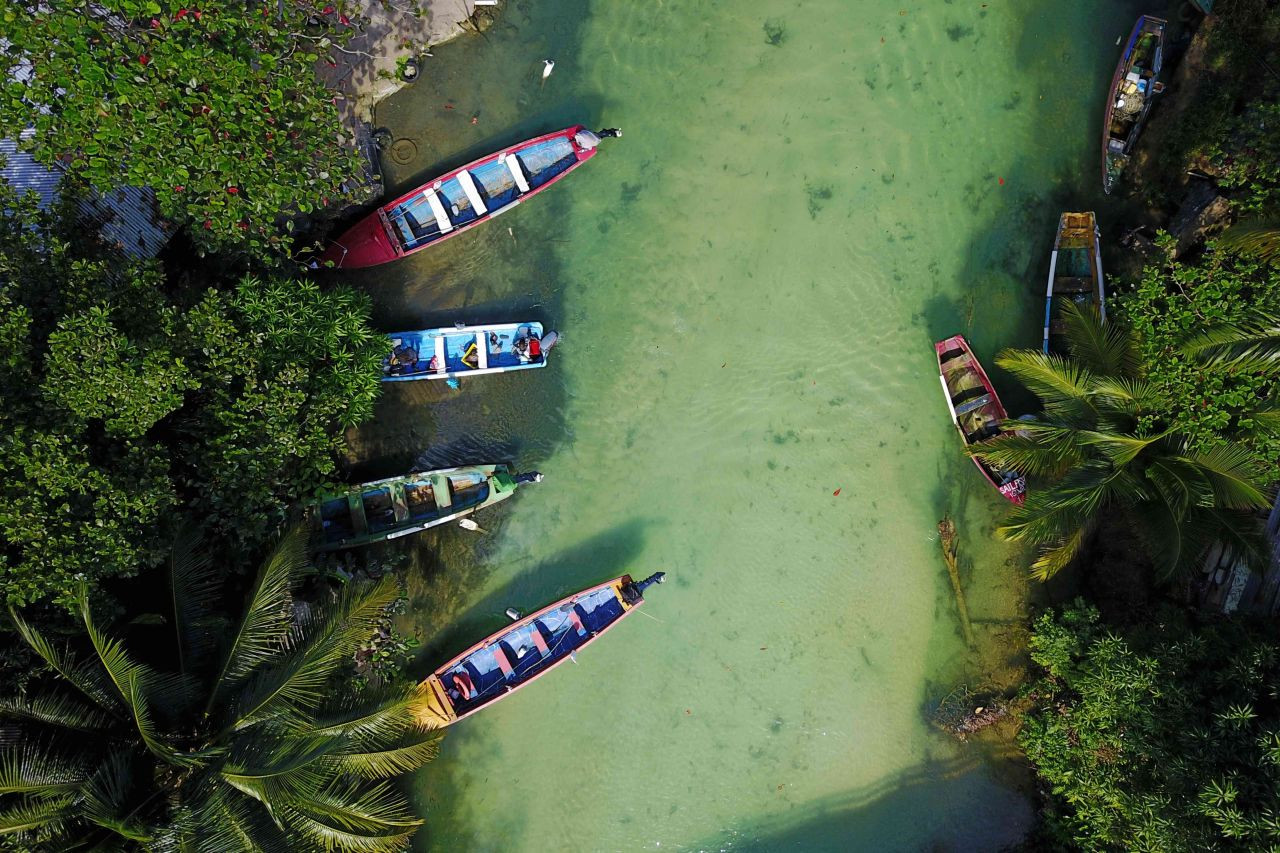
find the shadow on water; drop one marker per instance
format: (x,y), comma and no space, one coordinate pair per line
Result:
(960,789)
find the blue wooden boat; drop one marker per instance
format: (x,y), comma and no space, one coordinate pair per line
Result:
(1075,272)
(518,654)
(1133,90)
(458,351)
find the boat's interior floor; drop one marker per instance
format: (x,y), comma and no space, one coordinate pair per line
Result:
(414,501)
(530,648)
(417,224)
(413,351)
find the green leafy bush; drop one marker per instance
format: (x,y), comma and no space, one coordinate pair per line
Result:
(1205,400)
(125,401)
(215,105)
(1164,739)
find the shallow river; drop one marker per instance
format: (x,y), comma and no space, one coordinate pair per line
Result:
(748,284)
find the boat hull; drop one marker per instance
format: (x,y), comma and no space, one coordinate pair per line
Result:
(523,652)
(455,202)
(1075,270)
(400,506)
(976,410)
(1116,150)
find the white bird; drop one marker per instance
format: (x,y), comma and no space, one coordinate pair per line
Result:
(548,65)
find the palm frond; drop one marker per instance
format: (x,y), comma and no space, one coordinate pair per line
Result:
(1055,557)
(140,704)
(33,813)
(1235,475)
(1118,448)
(361,817)
(223,819)
(265,629)
(56,709)
(1035,448)
(1130,396)
(1251,345)
(1172,542)
(298,684)
(31,768)
(1179,483)
(1105,349)
(1061,384)
(1259,237)
(194,593)
(89,680)
(110,798)
(385,714)
(406,755)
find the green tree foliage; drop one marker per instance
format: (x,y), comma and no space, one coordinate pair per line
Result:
(125,400)
(247,740)
(1099,452)
(216,105)
(1257,237)
(1165,739)
(1207,399)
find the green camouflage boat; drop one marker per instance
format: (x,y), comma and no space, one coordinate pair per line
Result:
(399,506)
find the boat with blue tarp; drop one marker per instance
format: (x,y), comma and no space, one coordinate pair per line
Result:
(399,506)
(1133,89)
(518,654)
(457,351)
(463,198)
(1075,273)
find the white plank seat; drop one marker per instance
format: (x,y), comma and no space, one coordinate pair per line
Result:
(517,172)
(437,209)
(473,194)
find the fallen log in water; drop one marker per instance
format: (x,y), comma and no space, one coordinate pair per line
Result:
(947,537)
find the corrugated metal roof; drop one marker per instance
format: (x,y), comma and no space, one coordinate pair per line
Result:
(22,172)
(129,220)
(126,218)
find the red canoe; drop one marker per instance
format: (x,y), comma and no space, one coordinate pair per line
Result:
(976,410)
(463,198)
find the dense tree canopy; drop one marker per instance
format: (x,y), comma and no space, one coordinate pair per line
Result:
(126,398)
(213,734)
(1207,399)
(216,105)
(1165,739)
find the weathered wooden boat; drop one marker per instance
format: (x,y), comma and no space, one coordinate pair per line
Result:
(399,506)
(458,351)
(1133,89)
(507,660)
(976,410)
(1075,272)
(463,198)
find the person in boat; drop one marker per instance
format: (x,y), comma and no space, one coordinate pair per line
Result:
(521,349)
(403,358)
(471,358)
(463,688)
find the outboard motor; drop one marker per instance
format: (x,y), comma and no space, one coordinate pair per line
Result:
(548,340)
(530,477)
(633,593)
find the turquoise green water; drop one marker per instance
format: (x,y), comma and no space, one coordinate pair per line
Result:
(748,283)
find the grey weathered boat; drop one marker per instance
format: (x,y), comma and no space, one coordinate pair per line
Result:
(399,506)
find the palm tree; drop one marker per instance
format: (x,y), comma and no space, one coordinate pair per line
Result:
(1100,459)
(1259,237)
(250,742)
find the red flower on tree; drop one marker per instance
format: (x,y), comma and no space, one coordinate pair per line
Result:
(144,59)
